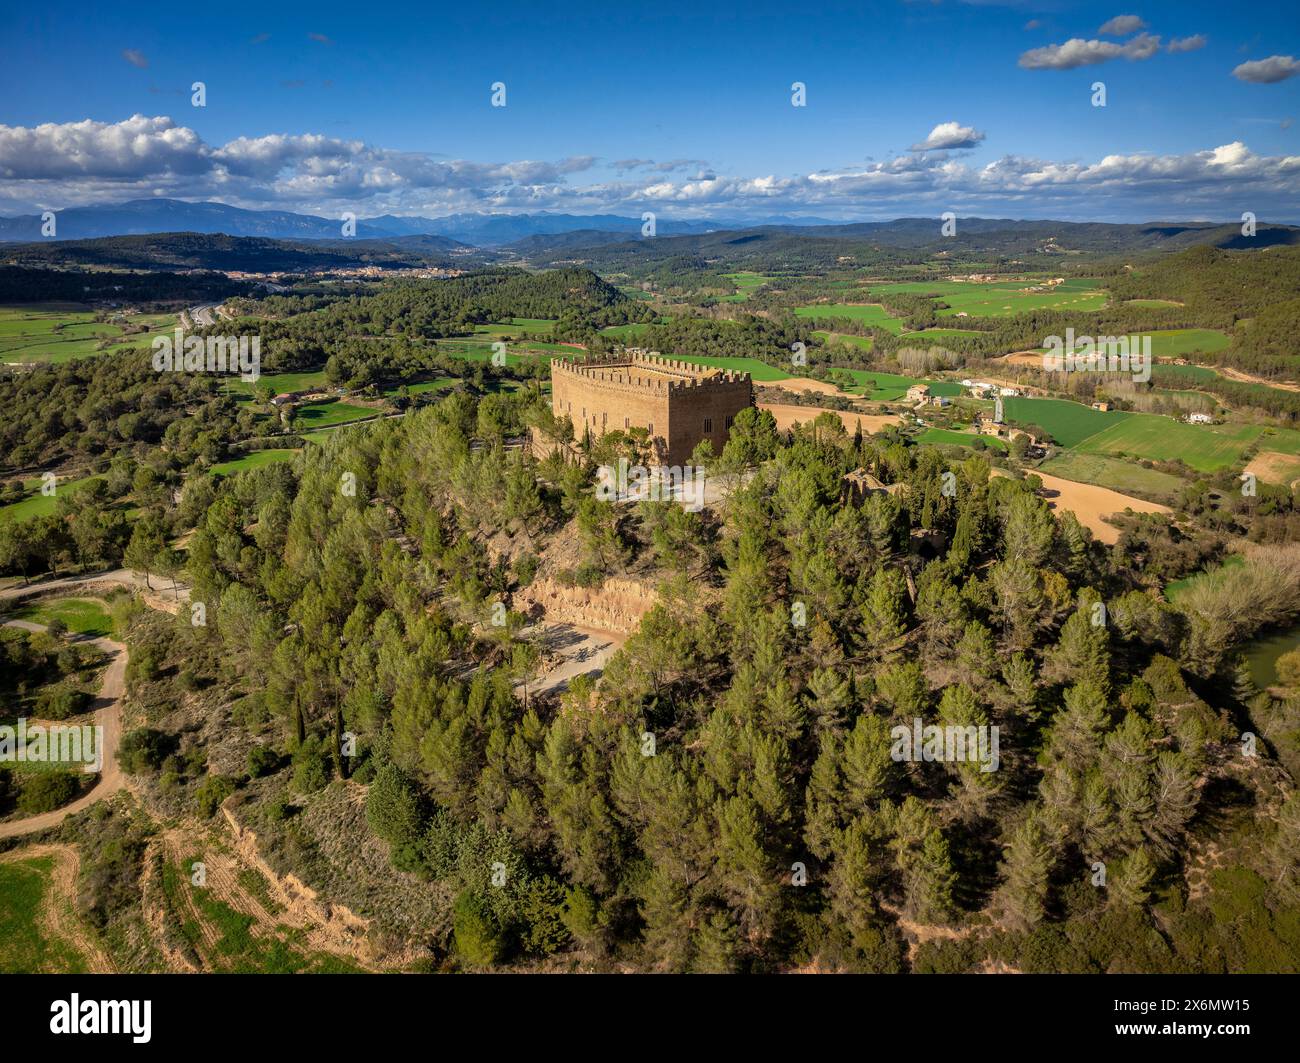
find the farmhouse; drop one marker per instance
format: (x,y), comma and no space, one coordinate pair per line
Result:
(679,403)
(918,393)
(1199,418)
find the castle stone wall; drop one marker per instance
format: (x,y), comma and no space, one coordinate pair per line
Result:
(678,402)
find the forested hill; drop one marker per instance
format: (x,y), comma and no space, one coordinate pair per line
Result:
(421,308)
(1257,293)
(170,251)
(19,285)
(905,241)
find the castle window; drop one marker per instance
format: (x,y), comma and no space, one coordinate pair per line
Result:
(729,422)
(627,422)
(650,428)
(708,425)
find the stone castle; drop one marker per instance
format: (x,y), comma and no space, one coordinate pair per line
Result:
(680,404)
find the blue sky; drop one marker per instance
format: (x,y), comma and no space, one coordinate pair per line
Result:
(912,108)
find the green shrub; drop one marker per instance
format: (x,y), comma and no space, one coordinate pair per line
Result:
(46,791)
(211,792)
(262,760)
(144,749)
(478,940)
(311,766)
(58,703)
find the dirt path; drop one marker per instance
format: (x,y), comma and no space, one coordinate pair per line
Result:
(1090,504)
(58,913)
(576,651)
(788,415)
(156,590)
(1251,378)
(108,717)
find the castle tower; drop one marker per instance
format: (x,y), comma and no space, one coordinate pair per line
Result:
(678,403)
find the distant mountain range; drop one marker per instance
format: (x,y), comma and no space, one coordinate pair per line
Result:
(141,217)
(171,234)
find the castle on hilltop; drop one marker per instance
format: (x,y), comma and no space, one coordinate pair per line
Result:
(680,404)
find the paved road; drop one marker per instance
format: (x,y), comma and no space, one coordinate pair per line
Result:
(108,716)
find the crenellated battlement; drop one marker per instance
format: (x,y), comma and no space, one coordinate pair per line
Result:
(647,373)
(678,402)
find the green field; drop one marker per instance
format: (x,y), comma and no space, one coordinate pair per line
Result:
(1069,423)
(1206,448)
(949,437)
(1118,475)
(625,332)
(1283,440)
(254,459)
(283,383)
(890,387)
(82,616)
(872,314)
(37,504)
(1195,374)
(52,333)
(26,947)
(933,335)
(323,414)
(861,342)
(436,384)
(1002,298)
(515,326)
(746,282)
(1175,343)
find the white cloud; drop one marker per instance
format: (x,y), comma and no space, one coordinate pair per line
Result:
(1122,26)
(1267,71)
(1186,44)
(1078,52)
(949,135)
(76,163)
(135,58)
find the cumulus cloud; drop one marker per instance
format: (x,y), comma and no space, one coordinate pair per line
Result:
(319,38)
(1267,71)
(77,163)
(1122,26)
(1079,52)
(949,135)
(1033,24)
(135,58)
(1186,44)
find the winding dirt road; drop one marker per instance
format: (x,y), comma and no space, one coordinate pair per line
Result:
(108,717)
